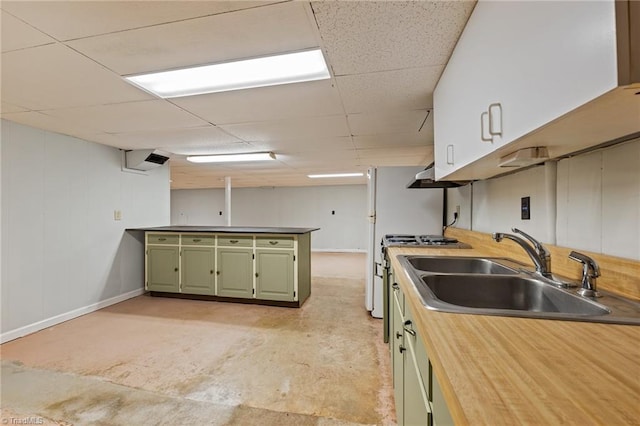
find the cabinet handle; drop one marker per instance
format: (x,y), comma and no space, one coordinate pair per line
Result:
(196,240)
(233,241)
(175,269)
(256,275)
(485,125)
(450,155)
(273,243)
(411,331)
(162,239)
(217,272)
(495,119)
(398,335)
(211,272)
(395,286)
(401,348)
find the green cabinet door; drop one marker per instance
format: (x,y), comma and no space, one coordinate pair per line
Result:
(162,268)
(198,270)
(274,274)
(397,356)
(235,272)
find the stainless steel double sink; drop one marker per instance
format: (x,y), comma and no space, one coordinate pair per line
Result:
(504,287)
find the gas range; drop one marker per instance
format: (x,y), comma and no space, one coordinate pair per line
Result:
(435,241)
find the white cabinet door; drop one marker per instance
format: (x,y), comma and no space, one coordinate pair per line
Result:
(538,59)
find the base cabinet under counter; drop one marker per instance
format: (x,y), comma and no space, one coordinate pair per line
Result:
(273,269)
(418,398)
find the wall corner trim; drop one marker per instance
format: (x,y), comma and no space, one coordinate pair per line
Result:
(58,319)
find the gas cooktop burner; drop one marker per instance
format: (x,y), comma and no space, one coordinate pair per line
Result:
(395,240)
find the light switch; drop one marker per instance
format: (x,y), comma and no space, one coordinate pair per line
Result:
(117,215)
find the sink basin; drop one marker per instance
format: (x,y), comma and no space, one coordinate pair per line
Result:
(508,292)
(504,287)
(463,265)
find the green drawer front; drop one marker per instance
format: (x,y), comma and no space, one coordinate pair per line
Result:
(198,240)
(280,242)
(163,239)
(235,241)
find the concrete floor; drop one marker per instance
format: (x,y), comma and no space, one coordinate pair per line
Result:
(174,361)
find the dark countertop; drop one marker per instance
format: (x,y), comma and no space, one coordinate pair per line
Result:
(228,229)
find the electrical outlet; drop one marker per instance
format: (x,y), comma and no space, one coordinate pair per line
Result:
(525,208)
(458,211)
(117,215)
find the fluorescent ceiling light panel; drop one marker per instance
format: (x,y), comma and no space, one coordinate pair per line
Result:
(336,175)
(232,158)
(308,65)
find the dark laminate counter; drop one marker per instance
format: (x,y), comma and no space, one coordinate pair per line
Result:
(228,229)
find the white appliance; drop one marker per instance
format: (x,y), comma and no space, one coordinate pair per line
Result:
(395,209)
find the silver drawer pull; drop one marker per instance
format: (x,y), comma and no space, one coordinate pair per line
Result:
(234,241)
(273,243)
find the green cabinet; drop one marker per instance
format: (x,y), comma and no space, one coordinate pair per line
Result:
(235,272)
(419,400)
(198,270)
(272,267)
(275,274)
(163,265)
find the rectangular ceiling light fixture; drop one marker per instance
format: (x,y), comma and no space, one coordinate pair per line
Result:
(232,158)
(297,67)
(336,175)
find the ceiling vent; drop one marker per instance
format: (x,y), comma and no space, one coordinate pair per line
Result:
(144,159)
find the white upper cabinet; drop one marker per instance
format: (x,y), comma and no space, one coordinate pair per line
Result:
(534,73)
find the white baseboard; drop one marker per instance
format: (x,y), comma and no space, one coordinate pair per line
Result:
(338,250)
(41,325)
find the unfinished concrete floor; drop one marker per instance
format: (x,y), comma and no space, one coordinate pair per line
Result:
(152,360)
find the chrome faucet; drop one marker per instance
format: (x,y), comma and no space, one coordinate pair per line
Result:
(590,271)
(537,252)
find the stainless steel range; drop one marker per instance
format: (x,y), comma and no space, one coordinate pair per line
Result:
(436,241)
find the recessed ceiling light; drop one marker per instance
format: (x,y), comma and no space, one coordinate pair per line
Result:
(232,158)
(297,67)
(336,175)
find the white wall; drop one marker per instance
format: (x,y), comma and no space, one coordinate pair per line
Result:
(283,206)
(596,204)
(63,253)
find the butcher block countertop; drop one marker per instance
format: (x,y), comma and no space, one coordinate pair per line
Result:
(498,370)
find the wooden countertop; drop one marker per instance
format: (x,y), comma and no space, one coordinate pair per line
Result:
(228,229)
(497,370)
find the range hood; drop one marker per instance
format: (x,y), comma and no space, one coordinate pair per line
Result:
(144,159)
(426,179)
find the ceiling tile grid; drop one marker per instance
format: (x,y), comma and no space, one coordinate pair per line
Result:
(63,64)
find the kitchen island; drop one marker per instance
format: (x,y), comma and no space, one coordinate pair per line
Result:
(266,265)
(481,369)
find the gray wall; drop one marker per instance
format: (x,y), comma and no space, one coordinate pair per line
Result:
(283,206)
(63,254)
(592,204)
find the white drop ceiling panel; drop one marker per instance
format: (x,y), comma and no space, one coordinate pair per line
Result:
(331,144)
(247,33)
(66,20)
(362,37)
(393,140)
(129,117)
(316,98)
(403,90)
(175,140)
(6,107)
(16,34)
(54,76)
(62,66)
(386,123)
(300,129)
